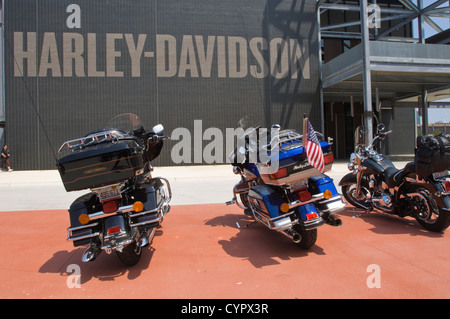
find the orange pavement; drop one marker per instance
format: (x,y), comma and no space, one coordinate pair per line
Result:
(200,253)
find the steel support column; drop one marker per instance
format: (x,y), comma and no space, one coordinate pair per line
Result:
(424,102)
(367,82)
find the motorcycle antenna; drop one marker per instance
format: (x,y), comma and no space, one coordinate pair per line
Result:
(31,98)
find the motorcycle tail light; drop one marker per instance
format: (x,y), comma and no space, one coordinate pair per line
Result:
(304,196)
(110,206)
(329,158)
(282,172)
(113,230)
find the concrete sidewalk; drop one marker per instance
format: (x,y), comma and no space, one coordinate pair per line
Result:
(209,184)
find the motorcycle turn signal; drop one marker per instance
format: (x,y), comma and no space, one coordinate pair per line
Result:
(83,219)
(138,206)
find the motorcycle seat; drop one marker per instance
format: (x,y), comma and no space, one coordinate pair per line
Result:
(394,177)
(390,175)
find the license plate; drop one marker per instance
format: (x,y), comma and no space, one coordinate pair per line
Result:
(442,174)
(108,193)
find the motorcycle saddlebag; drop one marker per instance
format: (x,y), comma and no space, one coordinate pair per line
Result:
(432,154)
(266,200)
(100,165)
(82,205)
(320,183)
(148,193)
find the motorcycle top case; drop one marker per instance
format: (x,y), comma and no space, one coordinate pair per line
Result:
(294,165)
(100,165)
(432,154)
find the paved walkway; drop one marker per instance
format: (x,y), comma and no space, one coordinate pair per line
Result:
(200,253)
(37,190)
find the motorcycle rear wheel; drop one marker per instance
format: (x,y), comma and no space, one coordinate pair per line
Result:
(308,239)
(429,215)
(129,254)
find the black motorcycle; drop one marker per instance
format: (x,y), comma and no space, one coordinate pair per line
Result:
(421,189)
(125,204)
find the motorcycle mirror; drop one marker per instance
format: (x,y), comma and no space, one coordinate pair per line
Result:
(158,128)
(381,127)
(360,135)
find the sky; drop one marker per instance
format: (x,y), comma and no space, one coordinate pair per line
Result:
(438,115)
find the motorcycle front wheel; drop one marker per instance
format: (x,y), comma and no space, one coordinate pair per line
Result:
(362,199)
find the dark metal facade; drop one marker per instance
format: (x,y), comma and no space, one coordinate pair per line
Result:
(72,65)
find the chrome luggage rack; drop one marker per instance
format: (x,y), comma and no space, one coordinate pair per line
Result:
(78,143)
(284,141)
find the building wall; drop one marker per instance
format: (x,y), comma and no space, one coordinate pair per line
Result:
(403,137)
(71,68)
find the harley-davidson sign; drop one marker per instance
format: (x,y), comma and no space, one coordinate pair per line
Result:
(192,56)
(71,65)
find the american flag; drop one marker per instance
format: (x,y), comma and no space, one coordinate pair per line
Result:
(313,148)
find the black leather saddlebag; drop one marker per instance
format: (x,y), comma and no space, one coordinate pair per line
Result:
(432,154)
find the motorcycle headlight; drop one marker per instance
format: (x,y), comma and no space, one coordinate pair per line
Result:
(353,162)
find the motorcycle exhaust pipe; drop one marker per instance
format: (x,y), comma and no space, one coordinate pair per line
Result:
(91,253)
(333,221)
(292,234)
(146,238)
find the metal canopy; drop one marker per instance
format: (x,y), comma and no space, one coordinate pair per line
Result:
(400,72)
(397,13)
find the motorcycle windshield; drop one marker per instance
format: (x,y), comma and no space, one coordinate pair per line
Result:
(119,126)
(256,145)
(127,122)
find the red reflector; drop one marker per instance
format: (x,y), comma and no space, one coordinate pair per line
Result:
(311,216)
(329,158)
(282,172)
(304,196)
(113,230)
(447,186)
(110,206)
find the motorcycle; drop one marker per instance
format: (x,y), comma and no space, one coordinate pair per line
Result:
(296,198)
(375,183)
(125,204)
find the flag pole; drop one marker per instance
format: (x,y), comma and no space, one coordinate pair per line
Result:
(305,128)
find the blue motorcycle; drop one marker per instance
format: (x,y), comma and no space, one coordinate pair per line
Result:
(295,198)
